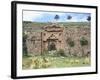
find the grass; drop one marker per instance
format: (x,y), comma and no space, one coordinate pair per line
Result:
(39,62)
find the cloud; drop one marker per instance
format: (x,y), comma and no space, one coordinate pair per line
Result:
(31,15)
(40,16)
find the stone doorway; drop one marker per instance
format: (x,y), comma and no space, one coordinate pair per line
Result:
(51,45)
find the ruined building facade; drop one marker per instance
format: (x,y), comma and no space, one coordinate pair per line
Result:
(55,37)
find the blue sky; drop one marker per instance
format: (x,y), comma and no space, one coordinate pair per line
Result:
(40,16)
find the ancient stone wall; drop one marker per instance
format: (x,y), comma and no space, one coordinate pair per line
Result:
(34,43)
(75,35)
(70,41)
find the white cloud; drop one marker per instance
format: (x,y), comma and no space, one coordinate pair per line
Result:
(41,16)
(30,15)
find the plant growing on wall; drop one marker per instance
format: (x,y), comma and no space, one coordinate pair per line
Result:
(83,42)
(61,52)
(24,44)
(71,44)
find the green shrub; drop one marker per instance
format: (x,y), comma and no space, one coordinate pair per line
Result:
(24,44)
(41,62)
(70,42)
(83,41)
(45,52)
(61,52)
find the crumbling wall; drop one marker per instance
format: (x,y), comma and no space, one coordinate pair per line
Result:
(72,35)
(34,43)
(75,35)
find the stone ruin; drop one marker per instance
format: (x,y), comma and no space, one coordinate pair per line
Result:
(56,37)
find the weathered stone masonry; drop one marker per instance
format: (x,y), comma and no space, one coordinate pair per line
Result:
(56,37)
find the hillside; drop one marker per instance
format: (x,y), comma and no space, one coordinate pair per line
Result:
(65,24)
(38,26)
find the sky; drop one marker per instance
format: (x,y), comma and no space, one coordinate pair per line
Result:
(43,16)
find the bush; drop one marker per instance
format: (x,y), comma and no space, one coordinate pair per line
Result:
(54,53)
(24,44)
(45,53)
(83,41)
(61,52)
(70,42)
(39,63)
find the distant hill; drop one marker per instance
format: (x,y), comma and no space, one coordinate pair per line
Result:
(65,24)
(38,25)
(72,24)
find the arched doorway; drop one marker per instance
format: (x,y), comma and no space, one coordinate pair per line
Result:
(52,46)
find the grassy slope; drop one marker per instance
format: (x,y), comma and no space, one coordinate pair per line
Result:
(55,62)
